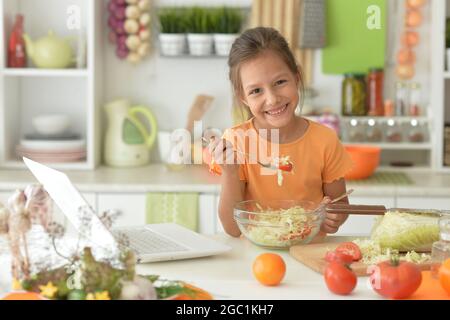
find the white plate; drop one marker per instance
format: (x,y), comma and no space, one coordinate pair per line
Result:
(49,145)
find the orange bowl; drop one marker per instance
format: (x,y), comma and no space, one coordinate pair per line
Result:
(365,161)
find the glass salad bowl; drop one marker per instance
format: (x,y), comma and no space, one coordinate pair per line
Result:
(279,224)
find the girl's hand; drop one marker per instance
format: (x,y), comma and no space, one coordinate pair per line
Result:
(332,221)
(222,153)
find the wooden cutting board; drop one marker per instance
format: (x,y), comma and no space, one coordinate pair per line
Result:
(312,256)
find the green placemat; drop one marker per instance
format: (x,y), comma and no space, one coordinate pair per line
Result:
(356,36)
(391,178)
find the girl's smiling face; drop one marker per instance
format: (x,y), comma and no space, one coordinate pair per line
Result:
(270,89)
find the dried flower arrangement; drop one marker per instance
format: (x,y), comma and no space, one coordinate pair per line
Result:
(52,270)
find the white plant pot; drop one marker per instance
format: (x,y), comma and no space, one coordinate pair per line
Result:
(172,44)
(200,44)
(223,43)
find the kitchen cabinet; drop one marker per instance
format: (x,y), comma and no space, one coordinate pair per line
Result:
(29,92)
(359,225)
(131,206)
(440,80)
(133,209)
(207,214)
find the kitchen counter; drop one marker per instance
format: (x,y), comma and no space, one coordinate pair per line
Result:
(196,178)
(229,275)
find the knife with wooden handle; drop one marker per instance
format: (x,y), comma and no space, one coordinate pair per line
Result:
(378,210)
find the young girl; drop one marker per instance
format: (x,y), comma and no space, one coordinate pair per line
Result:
(267,82)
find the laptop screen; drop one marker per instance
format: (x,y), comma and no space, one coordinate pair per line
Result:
(71,203)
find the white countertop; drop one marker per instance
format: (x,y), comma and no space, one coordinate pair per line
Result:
(196,178)
(229,275)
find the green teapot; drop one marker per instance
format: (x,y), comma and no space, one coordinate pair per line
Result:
(50,52)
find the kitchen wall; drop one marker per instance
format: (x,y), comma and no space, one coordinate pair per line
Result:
(169,85)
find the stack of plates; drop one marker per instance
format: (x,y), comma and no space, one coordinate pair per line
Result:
(52,151)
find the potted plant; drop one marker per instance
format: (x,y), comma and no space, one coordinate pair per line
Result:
(172,35)
(227,24)
(199,29)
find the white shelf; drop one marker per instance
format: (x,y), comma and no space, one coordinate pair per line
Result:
(29,92)
(447,75)
(386,118)
(82,165)
(33,72)
(393,146)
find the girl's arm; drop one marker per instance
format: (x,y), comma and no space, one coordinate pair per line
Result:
(332,221)
(232,192)
(232,187)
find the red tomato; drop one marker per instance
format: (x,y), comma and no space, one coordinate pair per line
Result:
(285,167)
(341,257)
(351,249)
(396,279)
(340,279)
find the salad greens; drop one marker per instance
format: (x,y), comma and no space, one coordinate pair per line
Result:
(404,231)
(281,228)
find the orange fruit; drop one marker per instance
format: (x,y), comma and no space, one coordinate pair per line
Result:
(444,275)
(23,295)
(269,269)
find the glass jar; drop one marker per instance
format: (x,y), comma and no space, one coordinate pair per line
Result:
(354,95)
(356,131)
(415,99)
(373,131)
(401,98)
(394,131)
(375,105)
(440,250)
(416,132)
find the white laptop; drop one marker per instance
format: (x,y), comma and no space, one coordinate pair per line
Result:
(153,242)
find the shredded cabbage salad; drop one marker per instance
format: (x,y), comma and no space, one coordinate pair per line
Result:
(373,253)
(281,228)
(405,231)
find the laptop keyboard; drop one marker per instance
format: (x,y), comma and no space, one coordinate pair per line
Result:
(148,242)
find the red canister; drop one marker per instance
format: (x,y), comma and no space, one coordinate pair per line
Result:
(375,105)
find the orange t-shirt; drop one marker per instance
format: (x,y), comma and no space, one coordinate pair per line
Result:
(318,157)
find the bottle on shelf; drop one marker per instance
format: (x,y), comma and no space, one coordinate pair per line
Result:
(16,46)
(354,95)
(415,102)
(401,98)
(389,109)
(440,250)
(375,104)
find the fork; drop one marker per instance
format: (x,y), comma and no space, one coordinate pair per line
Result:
(265,165)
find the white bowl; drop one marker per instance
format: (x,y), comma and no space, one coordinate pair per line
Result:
(51,124)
